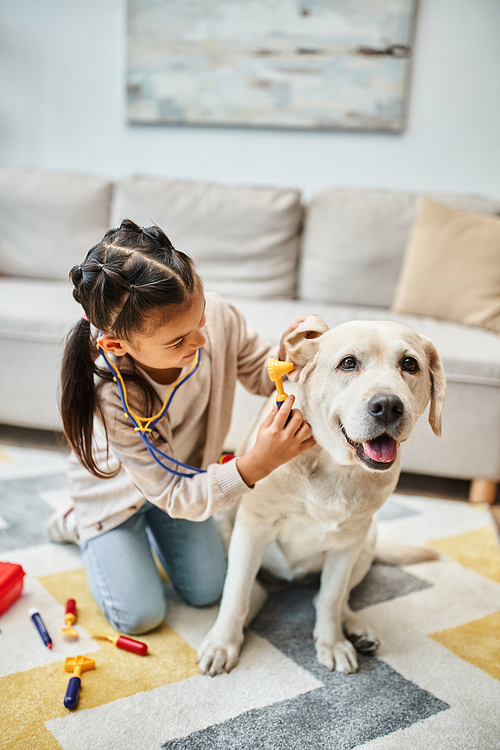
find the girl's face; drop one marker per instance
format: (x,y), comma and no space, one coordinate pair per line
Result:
(170,346)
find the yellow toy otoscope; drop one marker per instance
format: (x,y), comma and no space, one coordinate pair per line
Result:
(77,665)
(276,371)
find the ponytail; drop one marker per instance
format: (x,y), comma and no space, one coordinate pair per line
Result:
(79,400)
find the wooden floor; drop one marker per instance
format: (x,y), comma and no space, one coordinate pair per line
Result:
(409,484)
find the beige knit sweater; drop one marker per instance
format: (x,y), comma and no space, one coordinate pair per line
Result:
(231,352)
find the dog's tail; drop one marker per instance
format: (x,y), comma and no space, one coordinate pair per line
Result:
(399,554)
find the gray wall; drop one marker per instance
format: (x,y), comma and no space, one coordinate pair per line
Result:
(62,107)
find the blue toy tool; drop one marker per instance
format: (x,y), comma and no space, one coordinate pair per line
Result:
(38,622)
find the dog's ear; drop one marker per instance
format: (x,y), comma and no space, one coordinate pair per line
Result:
(301,344)
(438,385)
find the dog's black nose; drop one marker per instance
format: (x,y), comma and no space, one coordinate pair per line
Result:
(386,407)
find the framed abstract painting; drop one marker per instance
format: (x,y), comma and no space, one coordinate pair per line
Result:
(317,64)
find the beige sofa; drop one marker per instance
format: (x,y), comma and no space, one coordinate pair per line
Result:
(339,257)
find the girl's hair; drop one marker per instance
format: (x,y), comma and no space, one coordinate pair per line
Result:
(126,281)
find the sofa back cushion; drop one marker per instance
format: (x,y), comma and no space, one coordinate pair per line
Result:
(243,240)
(49,221)
(354,243)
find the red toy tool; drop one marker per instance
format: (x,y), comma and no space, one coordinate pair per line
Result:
(127,644)
(70,619)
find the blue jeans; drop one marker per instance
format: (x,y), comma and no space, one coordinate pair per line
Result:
(123,576)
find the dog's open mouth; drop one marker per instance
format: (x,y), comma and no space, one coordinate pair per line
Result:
(378,453)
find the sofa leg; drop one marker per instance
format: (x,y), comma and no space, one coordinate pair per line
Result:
(483,491)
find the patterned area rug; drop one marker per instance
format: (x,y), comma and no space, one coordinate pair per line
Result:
(435,682)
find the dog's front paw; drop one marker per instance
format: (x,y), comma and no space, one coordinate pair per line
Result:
(337,657)
(218,653)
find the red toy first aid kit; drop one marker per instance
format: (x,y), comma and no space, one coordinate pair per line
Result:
(11,584)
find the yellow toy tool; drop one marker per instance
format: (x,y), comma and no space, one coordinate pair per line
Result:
(77,665)
(276,371)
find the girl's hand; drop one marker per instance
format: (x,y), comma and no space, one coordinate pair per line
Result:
(282,352)
(276,443)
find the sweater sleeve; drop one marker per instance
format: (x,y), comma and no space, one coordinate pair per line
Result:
(194,498)
(253,354)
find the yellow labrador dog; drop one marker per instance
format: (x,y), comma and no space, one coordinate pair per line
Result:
(362,387)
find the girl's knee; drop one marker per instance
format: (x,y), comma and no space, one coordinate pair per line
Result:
(202,601)
(140,620)
(204,596)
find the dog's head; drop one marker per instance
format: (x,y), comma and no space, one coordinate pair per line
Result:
(365,385)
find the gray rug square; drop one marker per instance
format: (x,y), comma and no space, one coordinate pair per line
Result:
(24,512)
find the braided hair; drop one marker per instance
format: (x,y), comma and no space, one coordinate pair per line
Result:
(133,275)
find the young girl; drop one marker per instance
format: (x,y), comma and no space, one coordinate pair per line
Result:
(146,325)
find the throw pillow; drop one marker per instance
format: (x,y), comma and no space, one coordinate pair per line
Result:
(451,268)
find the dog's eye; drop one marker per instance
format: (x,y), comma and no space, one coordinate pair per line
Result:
(409,364)
(349,363)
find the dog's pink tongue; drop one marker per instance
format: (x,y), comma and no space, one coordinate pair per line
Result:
(382,449)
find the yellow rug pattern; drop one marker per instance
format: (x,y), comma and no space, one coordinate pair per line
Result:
(477,549)
(478,642)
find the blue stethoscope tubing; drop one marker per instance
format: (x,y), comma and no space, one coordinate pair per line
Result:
(153,451)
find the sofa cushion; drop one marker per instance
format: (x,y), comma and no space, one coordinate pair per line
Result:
(35,317)
(451,268)
(49,221)
(37,310)
(354,242)
(244,241)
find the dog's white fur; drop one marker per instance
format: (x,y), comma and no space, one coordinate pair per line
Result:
(315,512)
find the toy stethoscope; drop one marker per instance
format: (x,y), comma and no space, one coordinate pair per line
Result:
(144,425)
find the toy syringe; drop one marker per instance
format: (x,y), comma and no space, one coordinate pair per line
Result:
(127,644)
